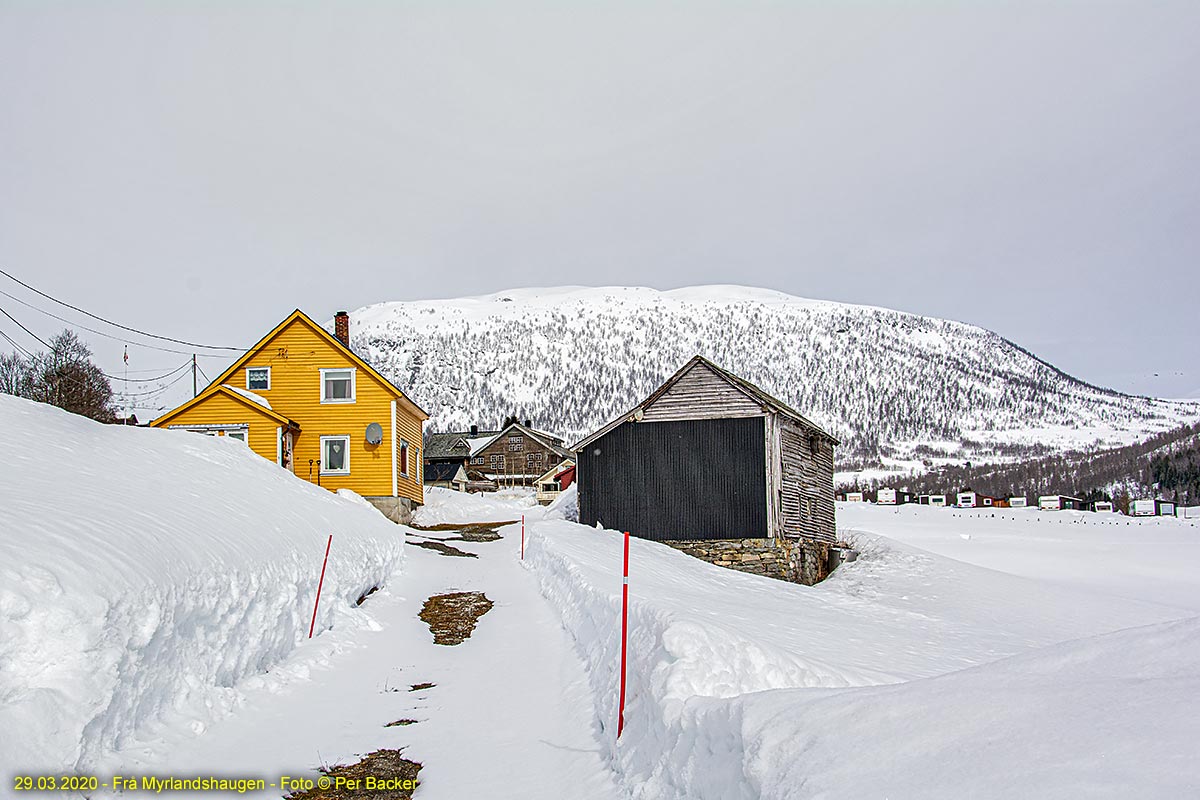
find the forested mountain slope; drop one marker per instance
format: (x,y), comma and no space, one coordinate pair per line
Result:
(896,388)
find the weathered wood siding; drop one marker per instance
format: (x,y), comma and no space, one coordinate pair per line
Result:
(677,480)
(701,394)
(807,485)
(515,457)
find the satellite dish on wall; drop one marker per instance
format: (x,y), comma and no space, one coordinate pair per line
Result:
(374,433)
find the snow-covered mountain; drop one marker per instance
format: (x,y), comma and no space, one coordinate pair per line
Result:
(898,389)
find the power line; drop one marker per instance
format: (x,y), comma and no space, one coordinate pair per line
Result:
(12,277)
(50,347)
(31,356)
(18,347)
(184,365)
(157,391)
(102,333)
(59,376)
(22,327)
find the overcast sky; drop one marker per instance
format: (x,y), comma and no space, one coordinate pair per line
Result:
(200,169)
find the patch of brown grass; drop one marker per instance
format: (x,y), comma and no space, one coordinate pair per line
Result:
(444,549)
(349,781)
(452,617)
(470,531)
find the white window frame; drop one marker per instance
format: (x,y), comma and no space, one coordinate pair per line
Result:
(343,437)
(404,453)
(245,432)
(353,385)
(249,369)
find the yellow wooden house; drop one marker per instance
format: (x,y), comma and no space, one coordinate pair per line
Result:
(303,399)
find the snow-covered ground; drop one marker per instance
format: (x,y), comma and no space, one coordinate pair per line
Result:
(908,673)
(966,653)
(147,577)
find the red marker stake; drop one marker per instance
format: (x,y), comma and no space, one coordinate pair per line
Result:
(522,537)
(320,583)
(624,636)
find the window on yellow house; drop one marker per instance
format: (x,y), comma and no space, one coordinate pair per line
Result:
(337,386)
(258,379)
(335,455)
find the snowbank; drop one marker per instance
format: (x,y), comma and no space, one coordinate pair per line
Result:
(145,573)
(875,683)
(446,506)
(1108,716)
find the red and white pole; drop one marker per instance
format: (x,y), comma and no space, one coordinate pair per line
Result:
(522,537)
(320,583)
(624,636)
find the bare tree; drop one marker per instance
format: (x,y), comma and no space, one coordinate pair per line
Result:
(16,375)
(64,376)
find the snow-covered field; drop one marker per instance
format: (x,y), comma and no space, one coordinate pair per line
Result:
(965,654)
(908,673)
(148,577)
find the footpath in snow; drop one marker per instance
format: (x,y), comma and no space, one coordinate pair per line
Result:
(510,713)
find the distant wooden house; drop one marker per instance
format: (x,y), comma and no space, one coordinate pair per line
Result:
(554,481)
(1059,502)
(710,456)
(518,455)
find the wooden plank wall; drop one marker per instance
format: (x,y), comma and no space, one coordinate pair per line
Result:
(702,394)
(807,499)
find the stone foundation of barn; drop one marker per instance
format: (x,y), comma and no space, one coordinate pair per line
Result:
(805,561)
(397,509)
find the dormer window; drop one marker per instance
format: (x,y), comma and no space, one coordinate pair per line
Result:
(258,379)
(337,386)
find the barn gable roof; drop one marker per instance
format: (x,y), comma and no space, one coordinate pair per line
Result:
(767,401)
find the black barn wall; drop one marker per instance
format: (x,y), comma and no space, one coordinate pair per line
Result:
(691,479)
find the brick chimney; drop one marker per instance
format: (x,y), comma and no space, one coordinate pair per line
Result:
(341,327)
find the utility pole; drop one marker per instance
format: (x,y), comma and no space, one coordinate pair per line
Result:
(195,391)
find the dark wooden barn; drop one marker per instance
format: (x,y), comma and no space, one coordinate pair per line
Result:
(709,456)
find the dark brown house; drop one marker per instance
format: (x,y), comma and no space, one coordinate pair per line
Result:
(710,456)
(517,455)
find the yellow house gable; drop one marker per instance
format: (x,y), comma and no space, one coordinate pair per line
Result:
(223,411)
(292,330)
(351,428)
